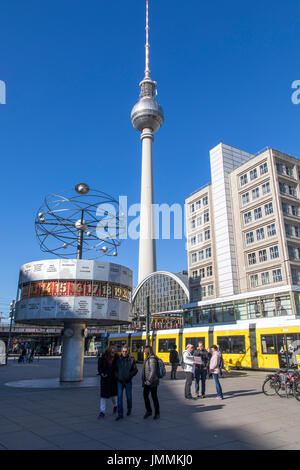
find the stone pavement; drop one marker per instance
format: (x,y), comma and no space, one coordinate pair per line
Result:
(66,418)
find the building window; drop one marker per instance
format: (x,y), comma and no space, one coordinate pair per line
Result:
(195,274)
(255,193)
(205,200)
(289,171)
(263,168)
(208,252)
(247,217)
(210,290)
(249,238)
(262,254)
(292,190)
(253,174)
(285,208)
(296,276)
(283,188)
(265,278)
(193,224)
(288,230)
(279,167)
(254,280)
(206,217)
(192,208)
(271,230)
(193,241)
(251,258)
(207,234)
(257,213)
(297,231)
(269,208)
(245,198)
(198,205)
(292,252)
(199,221)
(203,292)
(194,257)
(266,188)
(201,273)
(260,233)
(295,211)
(277,276)
(244,179)
(201,255)
(274,252)
(209,271)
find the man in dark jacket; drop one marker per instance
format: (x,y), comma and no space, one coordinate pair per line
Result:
(126,369)
(201,368)
(174,361)
(150,382)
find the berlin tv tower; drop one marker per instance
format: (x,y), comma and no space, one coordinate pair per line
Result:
(147,117)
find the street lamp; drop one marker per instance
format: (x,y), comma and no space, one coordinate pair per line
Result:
(11,314)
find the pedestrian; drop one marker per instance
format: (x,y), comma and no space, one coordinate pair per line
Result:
(31,354)
(150,381)
(107,369)
(221,361)
(174,361)
(189,369)
(126,369)
(24,354)
(201,366)
(214,368)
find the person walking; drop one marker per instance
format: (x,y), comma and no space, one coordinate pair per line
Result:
(174,361)
(214,367)
(150,382)
(189,369)
(201,366)
(107,364)
(126,369)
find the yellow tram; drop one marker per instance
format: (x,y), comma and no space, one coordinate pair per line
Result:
(262,344)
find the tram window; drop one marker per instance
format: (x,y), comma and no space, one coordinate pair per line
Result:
(194,341)
(166,344)
(268,344)
(138,345)
(117,344)
(232,344)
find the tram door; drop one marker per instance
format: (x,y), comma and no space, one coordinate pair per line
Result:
(287,348)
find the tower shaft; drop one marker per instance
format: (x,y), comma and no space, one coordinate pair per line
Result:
(147,245)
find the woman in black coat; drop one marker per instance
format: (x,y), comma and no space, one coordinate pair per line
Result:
(108,385)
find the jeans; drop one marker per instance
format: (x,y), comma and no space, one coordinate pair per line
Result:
(153,391)
(103,403)
(128,390)
(200,374)
(189,376)
(173,370)
(218,386)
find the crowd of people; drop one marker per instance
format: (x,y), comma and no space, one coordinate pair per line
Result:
(117,371)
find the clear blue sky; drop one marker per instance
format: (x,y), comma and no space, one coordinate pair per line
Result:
(72,68)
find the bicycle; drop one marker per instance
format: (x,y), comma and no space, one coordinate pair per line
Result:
(286,386)
(271,383)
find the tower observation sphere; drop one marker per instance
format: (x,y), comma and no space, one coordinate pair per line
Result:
(147,113)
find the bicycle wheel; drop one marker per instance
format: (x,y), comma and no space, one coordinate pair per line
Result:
(296,389)
(269,386)
(282,391)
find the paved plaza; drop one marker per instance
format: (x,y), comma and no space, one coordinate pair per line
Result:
(66,417)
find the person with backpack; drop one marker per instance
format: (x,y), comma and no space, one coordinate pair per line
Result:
(188,363)
(126,369)
(150,382)
(174,361)
(201,368)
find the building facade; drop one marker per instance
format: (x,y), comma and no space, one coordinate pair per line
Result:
(251,234)
(167,293)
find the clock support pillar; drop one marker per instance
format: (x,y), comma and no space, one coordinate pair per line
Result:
(71,369)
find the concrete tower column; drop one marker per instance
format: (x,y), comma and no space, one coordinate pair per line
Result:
(147,248)
(71,368)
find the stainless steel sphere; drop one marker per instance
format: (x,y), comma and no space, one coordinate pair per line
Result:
(82,188)
(81,226)
(147,113)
